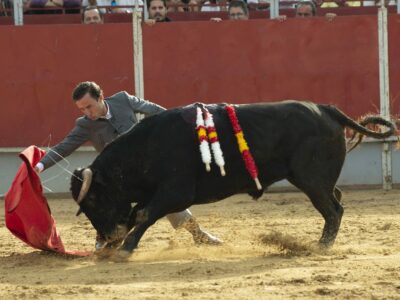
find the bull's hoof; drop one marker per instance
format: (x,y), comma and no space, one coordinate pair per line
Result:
(105,252)
(121,256)
(326,244)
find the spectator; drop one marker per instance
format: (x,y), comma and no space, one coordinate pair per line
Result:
(306,9)
(175,6)
(212,5)
(72,6)
(117,6)
(378,3)
(336,3)
(264,4)
(157,11)
(5,8)
(237,10)
(92,15)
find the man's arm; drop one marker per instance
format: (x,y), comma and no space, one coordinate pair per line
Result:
(143,106)
(78,136)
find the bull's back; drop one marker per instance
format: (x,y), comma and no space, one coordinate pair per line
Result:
(276,129)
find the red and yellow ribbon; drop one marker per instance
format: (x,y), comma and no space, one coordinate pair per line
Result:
(242,144)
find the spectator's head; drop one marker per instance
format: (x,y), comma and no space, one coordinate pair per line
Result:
(89,99)
(157,10)
(318,3)
(92,15)
(305,9)
(238,10)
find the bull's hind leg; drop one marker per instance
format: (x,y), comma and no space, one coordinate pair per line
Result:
(324,200)
(315,170)
(338,194)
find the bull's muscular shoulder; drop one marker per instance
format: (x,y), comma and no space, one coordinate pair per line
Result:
(189,112)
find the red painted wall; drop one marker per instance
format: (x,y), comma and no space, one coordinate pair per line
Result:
(259,60)
(394,64)
(40,65)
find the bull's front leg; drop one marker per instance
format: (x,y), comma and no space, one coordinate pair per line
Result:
(171,196)
(143,220)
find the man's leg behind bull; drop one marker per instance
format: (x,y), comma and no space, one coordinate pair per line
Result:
(185,219)
(146,217)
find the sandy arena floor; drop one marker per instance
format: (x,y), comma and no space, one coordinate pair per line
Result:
(269,253)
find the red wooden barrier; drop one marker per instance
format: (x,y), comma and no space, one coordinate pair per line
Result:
(40,65)
(394,64)
(258,60)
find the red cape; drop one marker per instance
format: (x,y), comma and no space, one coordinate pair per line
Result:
(27,213)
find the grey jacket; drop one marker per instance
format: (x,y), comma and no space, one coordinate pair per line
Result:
(100,132)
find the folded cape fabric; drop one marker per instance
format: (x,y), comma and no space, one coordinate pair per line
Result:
(27,213)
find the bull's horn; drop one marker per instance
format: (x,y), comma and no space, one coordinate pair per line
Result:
(87,180)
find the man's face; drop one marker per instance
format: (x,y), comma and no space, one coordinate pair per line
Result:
(90,107)
(92,17)
(237,13)
(304,11)
(157,11)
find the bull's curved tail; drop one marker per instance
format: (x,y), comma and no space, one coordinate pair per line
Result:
(346,121)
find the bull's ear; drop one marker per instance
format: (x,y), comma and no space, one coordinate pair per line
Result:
(79,212)
(98,178)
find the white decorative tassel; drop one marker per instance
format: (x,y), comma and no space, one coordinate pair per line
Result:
(215,145)
(203,140)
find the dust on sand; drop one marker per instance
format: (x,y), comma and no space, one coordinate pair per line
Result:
(270,252)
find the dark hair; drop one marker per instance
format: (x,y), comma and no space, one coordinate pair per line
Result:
(149,2)
(87,87)
(92,7)
(239,3)
(309,3)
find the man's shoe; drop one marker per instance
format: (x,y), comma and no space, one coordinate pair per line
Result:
(199,235)
(203,237)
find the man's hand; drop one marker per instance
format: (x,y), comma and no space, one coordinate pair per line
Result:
(150,22)
(330,16)
(281,18)
(39,168)
(216,19)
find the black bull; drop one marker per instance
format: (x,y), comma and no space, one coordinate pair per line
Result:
(157,165)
